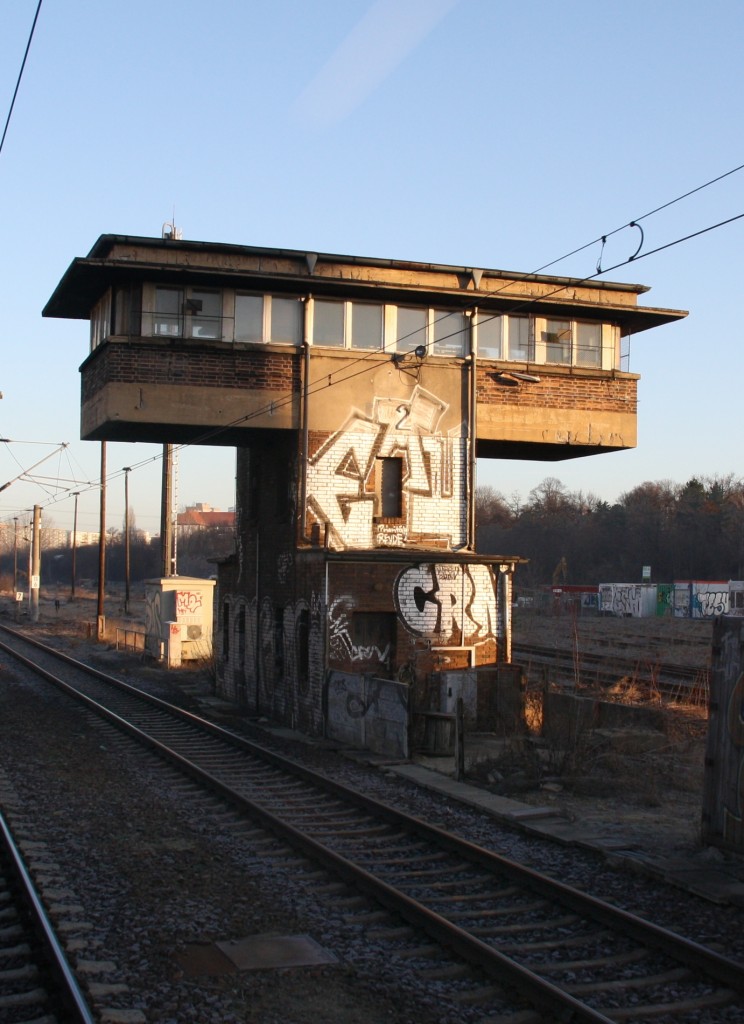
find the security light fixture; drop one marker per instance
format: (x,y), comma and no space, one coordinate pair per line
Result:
(515,377)
(419,353)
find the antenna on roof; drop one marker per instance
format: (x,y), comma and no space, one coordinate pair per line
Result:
(170,231)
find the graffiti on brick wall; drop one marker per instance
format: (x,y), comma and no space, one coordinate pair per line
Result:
(341,474)
(281,645)
(340,642)
(449,603)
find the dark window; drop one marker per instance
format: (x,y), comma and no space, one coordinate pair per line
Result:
(391,488)
(373,637)
(127,312)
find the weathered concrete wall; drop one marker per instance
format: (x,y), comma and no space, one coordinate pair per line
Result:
(587,408)
(368,713)
(723,794)
(566,717)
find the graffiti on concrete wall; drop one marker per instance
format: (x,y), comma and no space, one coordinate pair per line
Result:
(621,599)
(711,602)
(700,600)
(188,604)
(153,612)
(448,603)
(341,474)
(281,659)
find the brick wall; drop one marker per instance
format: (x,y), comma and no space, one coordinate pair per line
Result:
(188,363)
(569,390)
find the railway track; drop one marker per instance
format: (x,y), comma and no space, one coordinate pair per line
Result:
(564,664)
(569,955)
(36,981)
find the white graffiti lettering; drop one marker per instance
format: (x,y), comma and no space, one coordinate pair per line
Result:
(340,640)
(449,603)
(712,602)
(341,474)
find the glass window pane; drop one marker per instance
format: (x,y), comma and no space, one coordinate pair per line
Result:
(489,336)
(206,313)
(557,338)
(286,320)
(589,344)
(328,323)
(519,337)
(366,326)
(449,333)
(249,318)
(411,330)
(168,305)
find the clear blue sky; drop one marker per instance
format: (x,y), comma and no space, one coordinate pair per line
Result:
(471,132)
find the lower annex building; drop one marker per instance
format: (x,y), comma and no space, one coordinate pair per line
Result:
(359,394)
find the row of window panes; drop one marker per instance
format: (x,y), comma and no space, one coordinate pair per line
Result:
(362,325)
(575,342)
(197,313)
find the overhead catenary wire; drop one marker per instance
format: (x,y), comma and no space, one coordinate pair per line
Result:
(325,382)
(20,75)
(351,369)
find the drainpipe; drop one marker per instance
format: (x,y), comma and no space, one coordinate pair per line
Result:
(324,711)
(473,426)
(305,438)
(257,639)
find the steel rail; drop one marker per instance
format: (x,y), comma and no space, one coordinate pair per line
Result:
(543,993)
(663,675)
(67,990)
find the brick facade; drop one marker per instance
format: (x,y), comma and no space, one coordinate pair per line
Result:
(195,365)
(582,389)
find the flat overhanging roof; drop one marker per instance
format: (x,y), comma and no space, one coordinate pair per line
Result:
(122,259)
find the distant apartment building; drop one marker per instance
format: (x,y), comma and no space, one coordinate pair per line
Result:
(200,517)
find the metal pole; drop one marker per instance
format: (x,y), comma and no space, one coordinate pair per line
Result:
(166,522)
(459,739)
(36,563)
(75,495)
(127,471)
(102,547)
(15,557)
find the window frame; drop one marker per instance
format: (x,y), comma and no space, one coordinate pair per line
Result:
(524,338)
(267,318)
(389,488)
